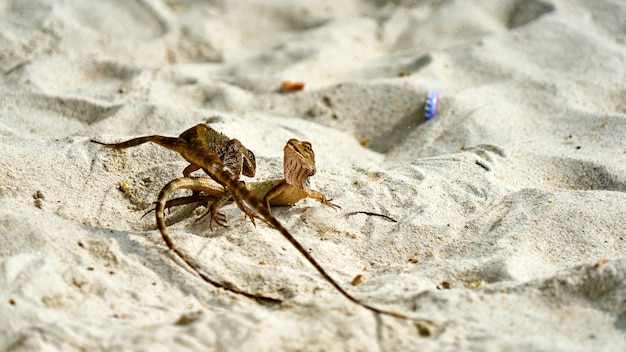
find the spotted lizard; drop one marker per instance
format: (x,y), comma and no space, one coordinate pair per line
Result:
(236,158)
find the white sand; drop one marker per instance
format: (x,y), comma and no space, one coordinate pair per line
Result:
(533,92)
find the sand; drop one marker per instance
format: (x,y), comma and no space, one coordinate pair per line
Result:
(510,204)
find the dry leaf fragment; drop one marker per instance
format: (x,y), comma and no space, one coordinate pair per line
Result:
(289,86)
(357,280)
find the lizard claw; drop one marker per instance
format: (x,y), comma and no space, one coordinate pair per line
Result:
(217,217)
(250,215)
(330,204)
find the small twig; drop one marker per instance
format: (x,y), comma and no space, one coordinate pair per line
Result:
(483,165)
(372,214)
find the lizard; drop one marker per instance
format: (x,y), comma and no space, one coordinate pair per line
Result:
(199,153)
(299,165)
(232,153)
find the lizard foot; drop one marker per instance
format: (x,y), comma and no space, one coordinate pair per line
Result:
(217,217)
(332,205)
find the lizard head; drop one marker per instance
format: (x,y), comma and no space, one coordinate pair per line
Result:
(238,159)
(299,163)
(249,163)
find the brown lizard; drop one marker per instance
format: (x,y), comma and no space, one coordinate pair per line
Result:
(199,154)
(259,196)
(299,165)
(236,158)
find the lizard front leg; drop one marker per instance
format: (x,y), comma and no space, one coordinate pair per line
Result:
(311,193)
(286,194)
(238,160)
(219,178)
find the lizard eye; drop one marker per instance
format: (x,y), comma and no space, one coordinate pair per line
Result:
(251,157)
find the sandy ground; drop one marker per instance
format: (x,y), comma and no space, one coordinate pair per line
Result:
(510,204)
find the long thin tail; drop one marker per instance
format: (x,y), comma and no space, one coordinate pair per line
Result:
(173,143)
(244,197)
(192,183)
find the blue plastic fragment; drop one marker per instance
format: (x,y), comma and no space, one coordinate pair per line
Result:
(430,107)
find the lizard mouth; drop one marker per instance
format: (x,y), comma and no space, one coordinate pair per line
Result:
(294,148)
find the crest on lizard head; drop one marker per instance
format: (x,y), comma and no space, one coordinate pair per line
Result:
(299,162)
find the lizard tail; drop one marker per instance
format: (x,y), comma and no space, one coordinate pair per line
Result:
(195,184)
(265,214)
(164,141)
(243,197)
(160,217)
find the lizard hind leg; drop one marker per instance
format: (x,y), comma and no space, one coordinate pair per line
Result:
(215,215)
(249,211)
